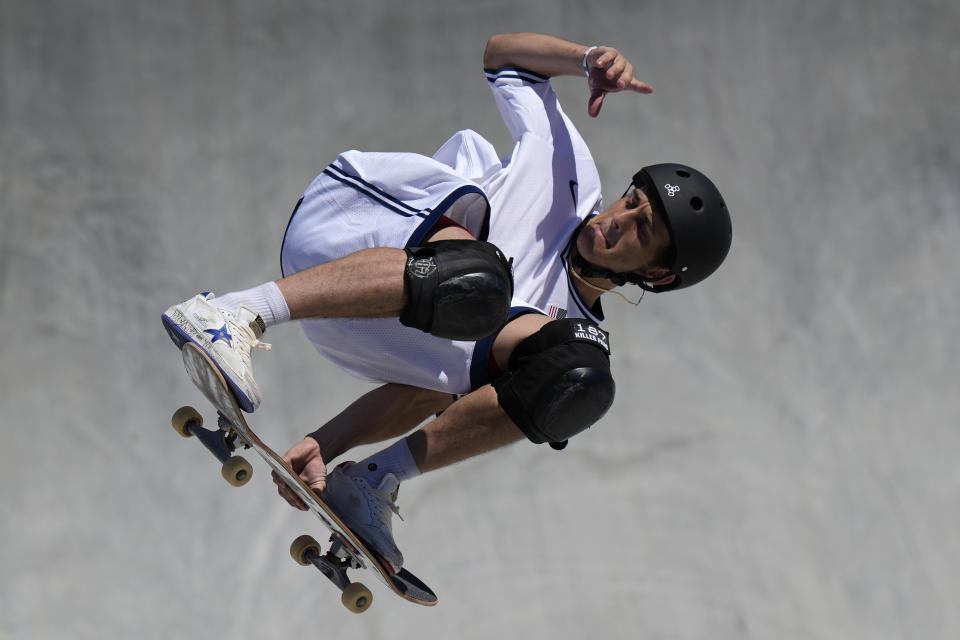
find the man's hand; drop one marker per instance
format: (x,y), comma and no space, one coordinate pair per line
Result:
(610,72)
(305,460)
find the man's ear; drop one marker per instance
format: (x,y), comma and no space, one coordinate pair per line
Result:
(659,276)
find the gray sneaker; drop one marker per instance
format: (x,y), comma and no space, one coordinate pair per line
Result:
(367,510)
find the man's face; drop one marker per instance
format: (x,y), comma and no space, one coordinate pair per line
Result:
(628,236)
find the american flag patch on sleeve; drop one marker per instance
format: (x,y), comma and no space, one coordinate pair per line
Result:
(556,312)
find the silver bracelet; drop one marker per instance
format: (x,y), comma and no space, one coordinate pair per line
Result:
(583,63)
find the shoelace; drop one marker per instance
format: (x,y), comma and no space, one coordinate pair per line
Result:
(249,337)
(381,500)
(388,500)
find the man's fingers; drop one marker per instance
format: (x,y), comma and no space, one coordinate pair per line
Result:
(616,68)
(288,494)
(626,77)
(304,460)
(596,101)
(292,498)
(640,87)
(314,474)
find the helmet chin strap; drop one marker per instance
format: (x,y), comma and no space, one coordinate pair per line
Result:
(573,270)
(592,271)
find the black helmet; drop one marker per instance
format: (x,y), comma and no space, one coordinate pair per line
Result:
(697,217)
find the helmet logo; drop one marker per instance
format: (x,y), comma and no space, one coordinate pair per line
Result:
(671,189)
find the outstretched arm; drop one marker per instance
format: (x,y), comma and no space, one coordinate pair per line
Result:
(608,70)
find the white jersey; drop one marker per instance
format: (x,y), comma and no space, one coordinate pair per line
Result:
(527,204)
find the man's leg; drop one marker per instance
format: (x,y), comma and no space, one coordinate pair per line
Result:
(556,385)
(364,493)
(456,288)
(365,284)
(368,283)
(472,426)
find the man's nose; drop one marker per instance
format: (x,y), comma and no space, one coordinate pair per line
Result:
(624,219)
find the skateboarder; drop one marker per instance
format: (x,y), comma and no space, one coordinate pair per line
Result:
(469,285)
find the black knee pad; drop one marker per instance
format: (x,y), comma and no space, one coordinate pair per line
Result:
(457,289)
(559,382)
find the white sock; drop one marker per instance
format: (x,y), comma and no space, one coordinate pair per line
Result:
(395,459)
(265,300)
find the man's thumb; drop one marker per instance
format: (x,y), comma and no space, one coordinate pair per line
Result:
(596,101)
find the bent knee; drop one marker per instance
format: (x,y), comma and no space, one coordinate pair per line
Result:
(457,289)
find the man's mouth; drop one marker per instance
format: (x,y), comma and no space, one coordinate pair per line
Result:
(603,236)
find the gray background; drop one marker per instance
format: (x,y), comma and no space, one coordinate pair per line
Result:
(781,459)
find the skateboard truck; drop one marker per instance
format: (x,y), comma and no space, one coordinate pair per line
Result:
(334,564)
(188,422)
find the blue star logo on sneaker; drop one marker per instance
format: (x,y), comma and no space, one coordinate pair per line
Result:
(220,334)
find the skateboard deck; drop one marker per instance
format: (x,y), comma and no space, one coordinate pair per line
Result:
(347,551)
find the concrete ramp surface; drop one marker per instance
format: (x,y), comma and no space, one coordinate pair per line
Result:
(781,458)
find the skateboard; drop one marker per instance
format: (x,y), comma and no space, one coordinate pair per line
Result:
(346,551)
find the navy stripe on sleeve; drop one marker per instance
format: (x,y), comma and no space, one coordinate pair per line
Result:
(515,72)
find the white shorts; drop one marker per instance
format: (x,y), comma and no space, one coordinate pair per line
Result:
(337,218)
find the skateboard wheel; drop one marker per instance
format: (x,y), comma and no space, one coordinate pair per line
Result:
(300,547)
(182,417)
(237,471)
(356,597)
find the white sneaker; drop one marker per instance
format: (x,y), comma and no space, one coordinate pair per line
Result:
(227,339)
(367,510)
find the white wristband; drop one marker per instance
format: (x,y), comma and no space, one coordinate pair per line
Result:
(583,63)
